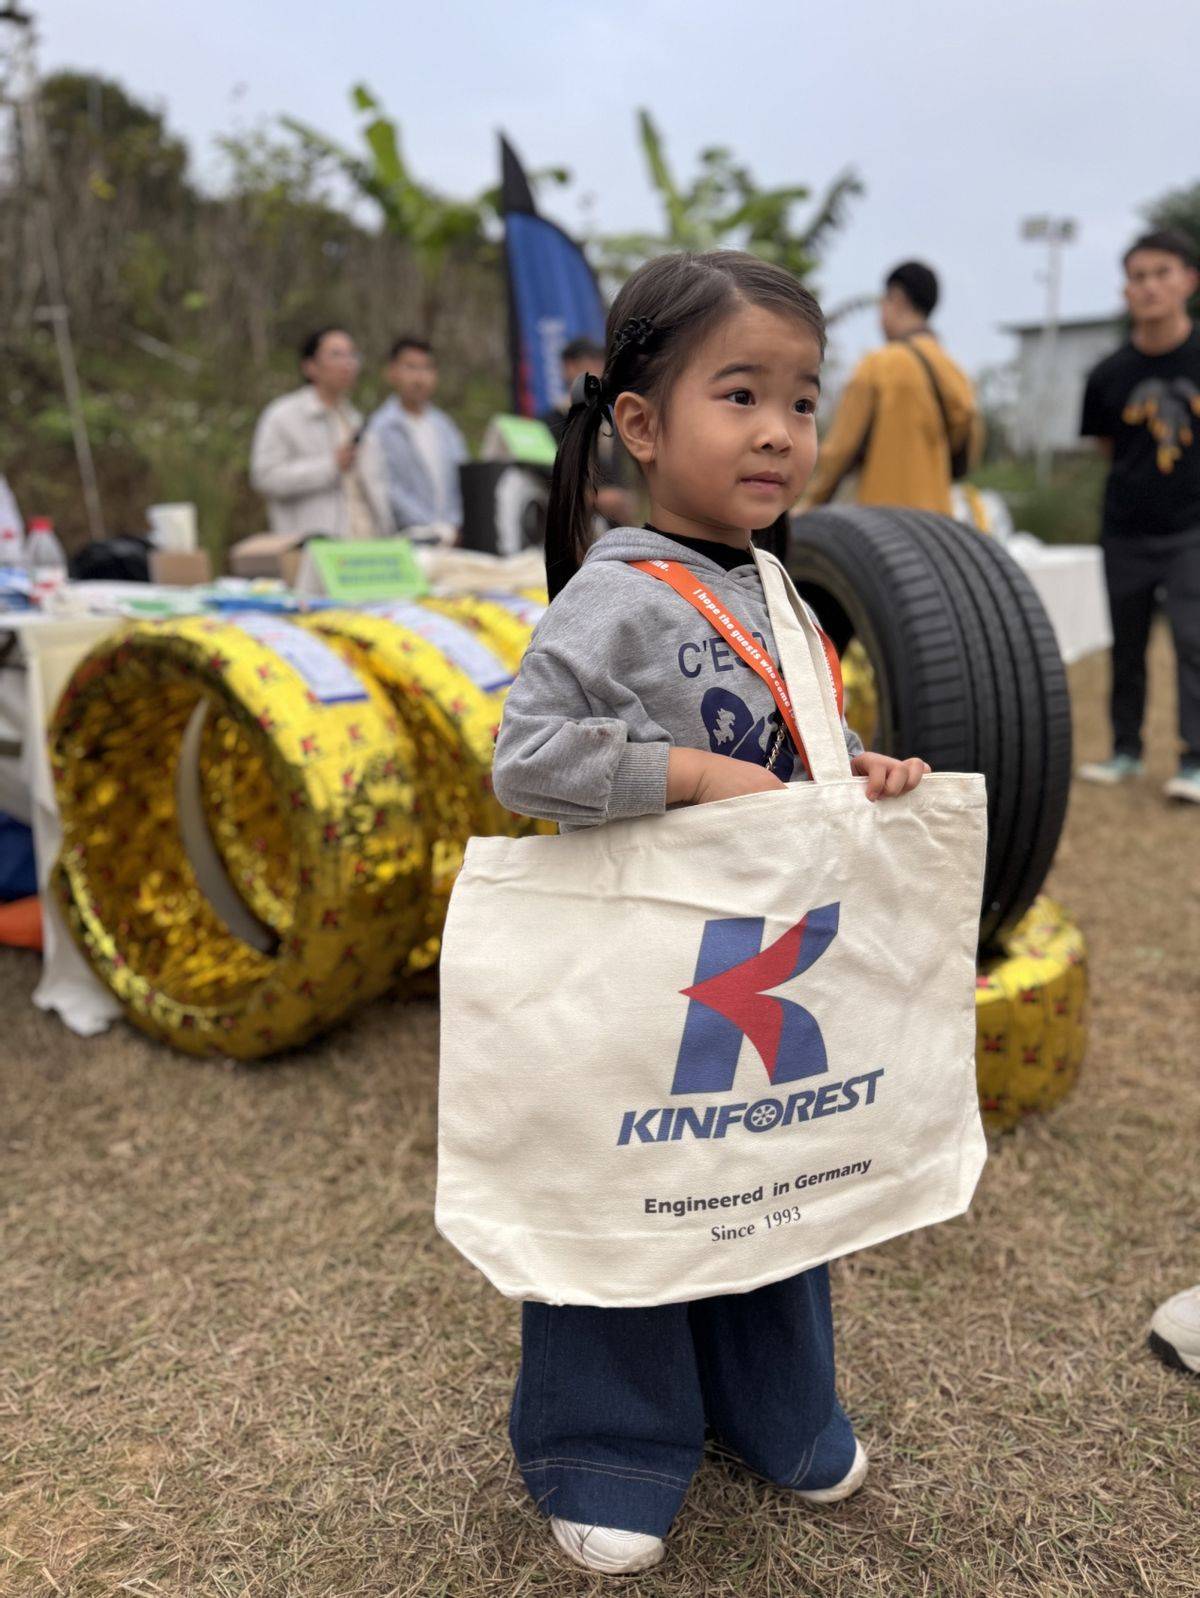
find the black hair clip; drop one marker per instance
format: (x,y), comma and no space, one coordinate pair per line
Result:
(587,390)
(588,394)
(638,331)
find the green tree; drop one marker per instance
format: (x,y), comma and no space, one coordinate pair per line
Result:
(118,184)
(433,226)
(724,208)
(274,232)
(91,122)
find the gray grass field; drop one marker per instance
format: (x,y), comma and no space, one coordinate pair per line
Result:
(237,1360)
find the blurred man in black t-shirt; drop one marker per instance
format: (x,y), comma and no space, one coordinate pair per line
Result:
(1143,404)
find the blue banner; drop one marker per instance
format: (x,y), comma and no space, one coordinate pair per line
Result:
(553,298)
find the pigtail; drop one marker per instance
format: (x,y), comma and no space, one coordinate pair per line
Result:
(572,494)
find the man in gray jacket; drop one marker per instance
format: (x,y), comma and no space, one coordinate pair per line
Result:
(422,448)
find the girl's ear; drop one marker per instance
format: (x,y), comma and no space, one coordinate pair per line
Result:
(636,420)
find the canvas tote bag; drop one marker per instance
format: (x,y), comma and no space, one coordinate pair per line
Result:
(694,1053)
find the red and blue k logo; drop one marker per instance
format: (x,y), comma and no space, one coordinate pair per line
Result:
(731,999)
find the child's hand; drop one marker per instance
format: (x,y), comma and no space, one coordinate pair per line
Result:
(695,777)
(886,776)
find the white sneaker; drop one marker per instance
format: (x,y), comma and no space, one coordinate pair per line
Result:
(1175,1331)
(605,1548)
(849,1484)
(1185,784)
(1117,769)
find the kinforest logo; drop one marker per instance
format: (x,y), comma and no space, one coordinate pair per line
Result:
(730,1000)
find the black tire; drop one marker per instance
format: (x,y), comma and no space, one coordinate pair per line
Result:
(1049,787)
(967,671)
(1016,753)
(852,566)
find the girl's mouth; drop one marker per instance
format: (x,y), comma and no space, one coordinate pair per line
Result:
(764,482)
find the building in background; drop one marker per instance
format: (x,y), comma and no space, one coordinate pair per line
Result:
(1047,412)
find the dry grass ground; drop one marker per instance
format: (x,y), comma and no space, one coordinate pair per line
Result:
(236,1359)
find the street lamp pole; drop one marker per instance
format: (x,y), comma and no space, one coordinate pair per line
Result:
(1056,231)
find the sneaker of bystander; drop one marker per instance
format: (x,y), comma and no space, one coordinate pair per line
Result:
(1185,785)
(1175,1331)
(1118,768)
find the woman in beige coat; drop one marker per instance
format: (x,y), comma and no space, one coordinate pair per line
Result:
(308,460)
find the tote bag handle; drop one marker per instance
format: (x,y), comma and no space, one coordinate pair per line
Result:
(806,672)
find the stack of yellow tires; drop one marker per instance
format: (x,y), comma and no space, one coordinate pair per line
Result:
(337,766)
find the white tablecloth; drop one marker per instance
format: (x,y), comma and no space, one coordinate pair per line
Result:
(1069,579)
(14,713)
(50,650)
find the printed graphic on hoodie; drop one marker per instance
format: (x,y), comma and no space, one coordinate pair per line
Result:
(732,730)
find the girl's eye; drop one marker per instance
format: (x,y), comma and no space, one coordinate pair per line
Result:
(807,407)
(741,396)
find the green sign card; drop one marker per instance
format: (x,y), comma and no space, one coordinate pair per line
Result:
(356,571)
(527,440)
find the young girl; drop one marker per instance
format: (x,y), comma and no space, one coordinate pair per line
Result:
(627,702)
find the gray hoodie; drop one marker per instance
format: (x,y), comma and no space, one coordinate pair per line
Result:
(621,669)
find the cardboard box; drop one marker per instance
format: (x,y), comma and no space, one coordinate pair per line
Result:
(177,569)
(289,566)
(264,554)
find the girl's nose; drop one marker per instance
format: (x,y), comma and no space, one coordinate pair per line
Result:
(776,437)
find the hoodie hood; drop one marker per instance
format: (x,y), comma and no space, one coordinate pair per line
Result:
(635,543)
(741,587)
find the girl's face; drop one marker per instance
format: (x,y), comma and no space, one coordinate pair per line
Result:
(736,440)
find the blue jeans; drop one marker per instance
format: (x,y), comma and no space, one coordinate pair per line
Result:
(609,1415)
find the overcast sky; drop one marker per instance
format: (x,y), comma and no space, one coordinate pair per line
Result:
(960,117)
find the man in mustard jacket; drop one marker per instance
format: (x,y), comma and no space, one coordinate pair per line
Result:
(905,414)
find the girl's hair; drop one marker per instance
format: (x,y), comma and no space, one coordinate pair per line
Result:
(665,310)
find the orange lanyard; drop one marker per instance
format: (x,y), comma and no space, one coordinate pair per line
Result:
(741,640)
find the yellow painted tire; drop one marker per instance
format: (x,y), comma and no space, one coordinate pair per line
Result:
(1031,1017)
(316,792)
(860,693)
(528,606)
(501,629)
(450,719)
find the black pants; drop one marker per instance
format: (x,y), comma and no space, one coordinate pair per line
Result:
(1137,570)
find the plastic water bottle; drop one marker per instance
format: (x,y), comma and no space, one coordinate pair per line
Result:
(45,560)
